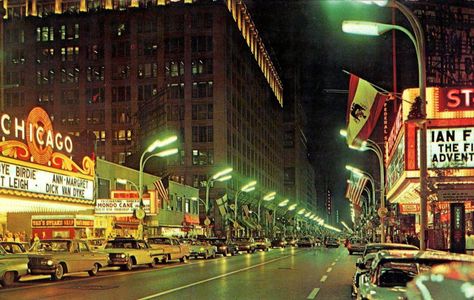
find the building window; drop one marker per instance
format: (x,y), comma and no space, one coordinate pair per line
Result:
(176,91)
(100,136)
(70,118)
(120,29)
(187,206)
(198,179)
(70,97)
(289,176)
(95,117)
(44,34)
(14,99)
(121,115)
(147,48)
(95,73)
(202,111)
(149,26)
(149,70)
(203,134)
(14,78)
(175,112)
(203,157)
(95,52)
(44,77)
(95,95)
(122,137)
(174,45)
(194,207)
(70,75)
(201,21)
(202,89)
(45,55)
(201,44)
(179,203)
(120,71)
(289,139)
(121,94)
(45,97)
(121,49)
(70,53)
(103,188)
(69,32)
(146,92)
(201,66)
(174,68)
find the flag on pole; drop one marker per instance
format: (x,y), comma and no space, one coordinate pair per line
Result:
(359,189)
(162,188)
(355,187)
(365,104)
(222,205)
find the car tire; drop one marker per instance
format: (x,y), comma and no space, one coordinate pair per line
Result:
(94,271)
(350,252)
(128,266)
(225,253)
(183,259)
(58,273)
(153,263)
(164,260)
(206,255)
(9,278)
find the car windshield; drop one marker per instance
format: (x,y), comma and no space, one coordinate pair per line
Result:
(377,248)
(122,244)
(164,241)
(55,246)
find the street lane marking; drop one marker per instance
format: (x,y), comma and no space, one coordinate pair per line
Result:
(313,293)
(210,279)
(333,264)
(323,279)
(329,270)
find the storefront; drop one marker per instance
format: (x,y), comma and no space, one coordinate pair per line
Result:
(118,211)
(40,172)
(450,158)
(62,226)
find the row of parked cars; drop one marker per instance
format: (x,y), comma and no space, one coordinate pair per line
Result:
(400,271)
(57,257)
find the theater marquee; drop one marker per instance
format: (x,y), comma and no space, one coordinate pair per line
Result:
(451,147)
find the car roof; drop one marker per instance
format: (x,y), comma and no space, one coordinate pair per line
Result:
(420,256)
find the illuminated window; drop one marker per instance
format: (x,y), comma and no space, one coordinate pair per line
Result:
(149,70)
(201,66)
(70,75)
(95,73)
(175,91)
(95,117)
(45,97)
(69,53)
(122,137)
(203,157)
(121,115)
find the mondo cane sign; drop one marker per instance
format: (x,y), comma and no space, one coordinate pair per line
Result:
(451,147)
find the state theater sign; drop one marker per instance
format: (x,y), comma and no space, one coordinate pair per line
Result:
(37,162)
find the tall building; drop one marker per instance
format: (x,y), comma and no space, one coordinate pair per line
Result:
(129,70)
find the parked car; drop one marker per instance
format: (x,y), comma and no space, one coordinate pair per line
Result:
(57,257)
(12,267)
(224,246)
(331,243)
(291,241)
(245,244)
(202,248)
(262,244)
(391,271)
(356,246)
(448,281)
(14,247)
(278,243)
(129,252)
(171,248)
(306,241)
(364,263)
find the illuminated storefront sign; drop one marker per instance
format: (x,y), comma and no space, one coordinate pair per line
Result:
(38,181)
(397,165)
(456,99)
(62,221)
(120,206)
(451,147)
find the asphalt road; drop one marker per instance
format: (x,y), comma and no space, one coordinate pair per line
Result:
(296,273)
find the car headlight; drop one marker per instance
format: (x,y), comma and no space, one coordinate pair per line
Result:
(123,255)
(49,262)
(201,249)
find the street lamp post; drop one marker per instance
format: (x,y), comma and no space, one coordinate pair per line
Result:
(419,43)
(140,213)
(268,197)
(219,176)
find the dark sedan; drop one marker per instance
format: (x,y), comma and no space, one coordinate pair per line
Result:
(306,241)
(291,241)
(331,243)
(224,246)
(278,243)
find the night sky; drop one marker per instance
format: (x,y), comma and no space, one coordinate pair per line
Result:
(307,34)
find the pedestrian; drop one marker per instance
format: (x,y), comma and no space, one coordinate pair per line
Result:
(36,243)
(388,239)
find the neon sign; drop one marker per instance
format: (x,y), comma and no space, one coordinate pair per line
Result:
(455,99)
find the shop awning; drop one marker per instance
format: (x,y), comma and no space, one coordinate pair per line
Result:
(126,225)
(190,219)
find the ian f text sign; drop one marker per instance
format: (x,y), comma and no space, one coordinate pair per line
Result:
(451,148)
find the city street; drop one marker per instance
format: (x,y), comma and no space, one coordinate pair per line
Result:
(295,273)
